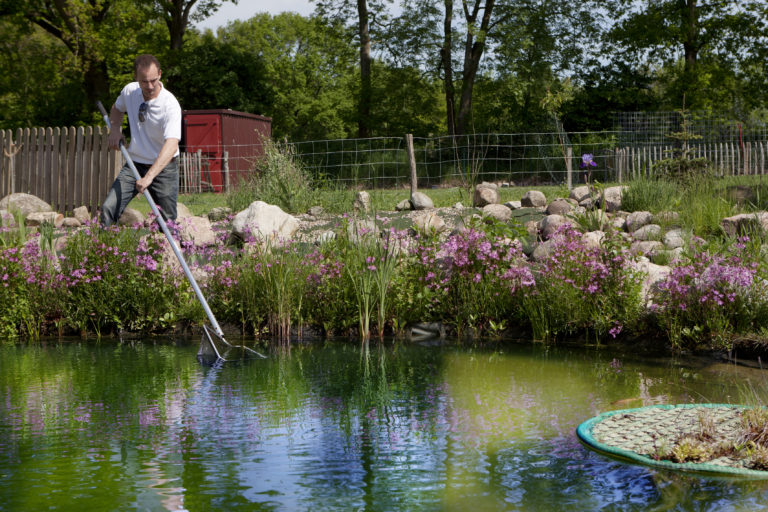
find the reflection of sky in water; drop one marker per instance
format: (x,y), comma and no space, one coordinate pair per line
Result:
(413,429)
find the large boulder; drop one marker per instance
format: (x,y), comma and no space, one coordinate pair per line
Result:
(485,194)
(497,211)
(362,202)
(197,230)
(182,212)
(559,207)
(580,193)
(636,220)
(549,225)
(647,232)
(131,217)
(82,214)
(429,222)
(264,222)
(25,203)
(40,218)
(745,223)
(421,201)
(612,198)
(534,199)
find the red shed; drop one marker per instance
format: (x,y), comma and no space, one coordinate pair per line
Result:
(215,131)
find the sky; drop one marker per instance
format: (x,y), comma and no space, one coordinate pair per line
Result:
(245,9)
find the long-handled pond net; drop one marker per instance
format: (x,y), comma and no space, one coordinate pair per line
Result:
(213,346)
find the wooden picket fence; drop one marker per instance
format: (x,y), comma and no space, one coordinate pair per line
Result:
(66,167)
(727,159)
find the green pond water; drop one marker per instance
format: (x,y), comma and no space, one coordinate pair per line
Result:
(106,426)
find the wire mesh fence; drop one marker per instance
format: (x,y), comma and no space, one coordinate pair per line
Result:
(640,140)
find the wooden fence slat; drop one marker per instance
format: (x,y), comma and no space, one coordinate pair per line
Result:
(61,167)
(6,168)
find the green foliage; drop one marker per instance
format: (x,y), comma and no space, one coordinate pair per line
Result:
(279,179)
(682,167)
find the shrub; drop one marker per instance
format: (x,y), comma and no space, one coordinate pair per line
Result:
(278,179)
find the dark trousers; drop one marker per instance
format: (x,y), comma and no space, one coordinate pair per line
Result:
(164,190)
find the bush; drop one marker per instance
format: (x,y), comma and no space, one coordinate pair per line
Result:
(279,179)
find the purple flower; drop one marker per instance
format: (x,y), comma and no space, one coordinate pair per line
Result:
(586,161)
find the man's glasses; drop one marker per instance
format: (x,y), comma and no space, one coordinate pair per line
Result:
(143,112)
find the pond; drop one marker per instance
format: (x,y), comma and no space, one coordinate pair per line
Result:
(332,426)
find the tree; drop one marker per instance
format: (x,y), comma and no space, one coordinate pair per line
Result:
(178,13)
(309,69)
(660,33)
(370,15)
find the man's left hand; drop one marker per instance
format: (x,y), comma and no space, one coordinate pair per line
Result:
(143,184)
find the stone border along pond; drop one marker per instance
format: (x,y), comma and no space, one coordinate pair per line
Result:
(641,230)
(703,438)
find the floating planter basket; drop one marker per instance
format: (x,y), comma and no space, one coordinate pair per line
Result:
(643,435)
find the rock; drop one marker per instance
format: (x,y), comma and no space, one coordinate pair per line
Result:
(593,239)
(197,230)
(667,218)
(82,214)
(7,219)
(559,207)
(612,198)
(745,223)
(264,222)
(619,223)
(673,239)
(358,228)
(513,205)
(403,205)
(362,202)
(219,213)
(636,220)
(458,206)
(580,193)
(534,198)
(549,225)
(532,227)
(647,232)
(741,194)
(25,203)
(542,251)
(646,248)
(131,217)
(39,218)
(497,211)
(71,222)
(429,222)
(316,211)
(485,194)
(654,274)
(182,212)
(420,201)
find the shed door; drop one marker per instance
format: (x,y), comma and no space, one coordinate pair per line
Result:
(203,132)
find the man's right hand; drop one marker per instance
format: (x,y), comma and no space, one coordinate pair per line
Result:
(115,136)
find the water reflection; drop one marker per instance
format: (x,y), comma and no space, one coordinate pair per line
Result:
(340,426)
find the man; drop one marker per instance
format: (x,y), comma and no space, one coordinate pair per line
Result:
(154,116)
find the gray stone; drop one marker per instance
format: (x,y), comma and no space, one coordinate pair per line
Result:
(458,206)
(646,248)
(559,207)
(219,213)
(513,205)
(362,202)
(404,205)
(316,211)
(549,225)
(580,193)
(485,194)
(82,214)
(745,223)
(71,222)
(667,218)
(131,217)
(25,203)
(264,222)
(673,239)
(497,211)
(197,230)
(534,198)
(636,220)
(542,251)
(647,232)
(654,274)
(612,198)
(7,219)
(39,218)
(421,201)
(182,212)
(428,222)
(357,229)
(593,239)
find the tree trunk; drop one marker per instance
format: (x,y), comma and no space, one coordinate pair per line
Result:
(690,29)
(364,107)
(473,52)
(446,62)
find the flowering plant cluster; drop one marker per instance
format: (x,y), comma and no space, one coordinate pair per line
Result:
(708,295)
